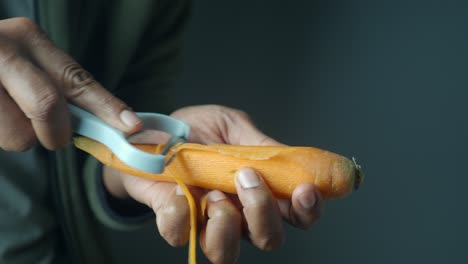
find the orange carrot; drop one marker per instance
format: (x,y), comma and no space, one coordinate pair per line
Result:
(213,167)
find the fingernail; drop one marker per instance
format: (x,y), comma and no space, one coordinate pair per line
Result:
(307,200)
(248,178)
(215,196)
(129,118)
(179,191)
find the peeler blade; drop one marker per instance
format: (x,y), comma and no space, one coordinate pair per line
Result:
(172,143)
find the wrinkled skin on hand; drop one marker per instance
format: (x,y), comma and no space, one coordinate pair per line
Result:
(253,214)
(37,79)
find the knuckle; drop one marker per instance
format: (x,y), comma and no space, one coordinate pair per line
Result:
(173,211)
(171,222)
(171,236)
(269,242)
(8,54)
(233,114)
(19,143)
(25,24)
(240,114)
(260,203)
(110,103)
(225,212)
(217,257)
(174,239)
(44,106)
(21,31)
(26,144)
(236,114)
(306,220)
(27,30)
(76,80)
(18,28)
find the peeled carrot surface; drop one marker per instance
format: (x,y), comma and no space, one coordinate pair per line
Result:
(213,167)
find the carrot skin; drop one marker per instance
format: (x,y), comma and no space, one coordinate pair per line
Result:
(283,168)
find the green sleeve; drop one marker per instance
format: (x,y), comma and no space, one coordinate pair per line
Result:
(101,207)
(29,231)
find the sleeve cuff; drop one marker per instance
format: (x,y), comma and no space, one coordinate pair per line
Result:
(133,217)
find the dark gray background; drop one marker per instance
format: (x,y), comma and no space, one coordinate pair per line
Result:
(385,82)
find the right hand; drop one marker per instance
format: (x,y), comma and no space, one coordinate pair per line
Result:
(36,81)
(253,213)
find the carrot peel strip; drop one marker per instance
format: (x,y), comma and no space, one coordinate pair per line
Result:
(193,219)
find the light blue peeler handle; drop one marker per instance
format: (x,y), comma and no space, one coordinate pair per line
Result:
(88,125)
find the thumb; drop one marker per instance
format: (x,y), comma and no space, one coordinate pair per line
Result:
(79,86)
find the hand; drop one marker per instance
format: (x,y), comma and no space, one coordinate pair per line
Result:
(253,212)
(36,80)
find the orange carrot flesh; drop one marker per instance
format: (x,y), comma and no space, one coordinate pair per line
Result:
(213,167)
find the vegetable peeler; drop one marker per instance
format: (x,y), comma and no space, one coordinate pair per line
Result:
(89,125)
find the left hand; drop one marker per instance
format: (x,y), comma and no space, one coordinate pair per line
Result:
(253,212)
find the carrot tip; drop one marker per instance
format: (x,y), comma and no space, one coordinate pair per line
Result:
(358,174)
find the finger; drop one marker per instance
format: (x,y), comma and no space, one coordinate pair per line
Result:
(173,218)
(242,131)
(37,98)
(261,212)
(169,204)
(79,86)
(304,208)
(253,136)
(17,133)
(220,240)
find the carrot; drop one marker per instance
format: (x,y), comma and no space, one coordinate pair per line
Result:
(213,167)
